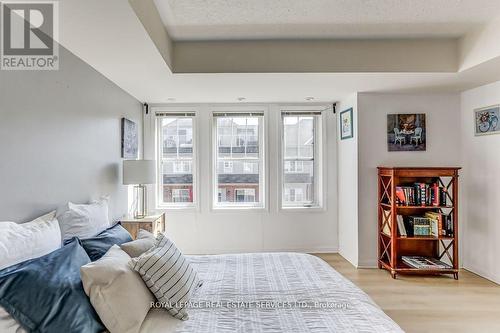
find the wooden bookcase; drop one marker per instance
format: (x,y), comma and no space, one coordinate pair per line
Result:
(392,246)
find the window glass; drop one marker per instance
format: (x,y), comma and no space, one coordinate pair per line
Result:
(176,159)
(300,178)
(238,161)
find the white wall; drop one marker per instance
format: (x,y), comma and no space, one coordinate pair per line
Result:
(480,45)
(481,162)
(204,231)
(348,185)
(443,149)
(60,138)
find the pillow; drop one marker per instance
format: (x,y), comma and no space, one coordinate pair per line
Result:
(84,221)
(168,275)
(21,242)
(46,294)
(145,240)
(9,324)
(97,246)
(117,293)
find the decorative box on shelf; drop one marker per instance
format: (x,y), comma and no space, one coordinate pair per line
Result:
(418,220)
(151,223)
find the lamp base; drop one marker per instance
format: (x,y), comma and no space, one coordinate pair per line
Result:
(141,210)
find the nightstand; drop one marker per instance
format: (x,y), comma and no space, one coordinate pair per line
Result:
(152,223)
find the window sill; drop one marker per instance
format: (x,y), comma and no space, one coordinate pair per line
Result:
(176,208)
(238,209)
(314,209)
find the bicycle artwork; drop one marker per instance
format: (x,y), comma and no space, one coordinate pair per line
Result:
(487,120)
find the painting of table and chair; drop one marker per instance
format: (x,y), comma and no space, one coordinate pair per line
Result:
(406,132)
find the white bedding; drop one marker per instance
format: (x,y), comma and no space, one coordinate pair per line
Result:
(237,287)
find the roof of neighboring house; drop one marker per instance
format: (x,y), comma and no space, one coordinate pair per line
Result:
(300,178)
(231,178)
(178,179)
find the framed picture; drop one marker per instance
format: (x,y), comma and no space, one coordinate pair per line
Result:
(486,120)
(406,132)
(130,139)
(346,126)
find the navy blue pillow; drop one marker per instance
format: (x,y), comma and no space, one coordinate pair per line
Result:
(46,294)
(97,246)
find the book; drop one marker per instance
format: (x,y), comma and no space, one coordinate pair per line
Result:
(443,197)
(437,226)
(421,226)
(424,262)
(435,195)
(434,230)
(400,196)
(401,226)
(449,226)
(423,195)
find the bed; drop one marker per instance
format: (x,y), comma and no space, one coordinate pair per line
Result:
(259,292)
(272,292)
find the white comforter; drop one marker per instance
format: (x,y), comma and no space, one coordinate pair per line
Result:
(273,292)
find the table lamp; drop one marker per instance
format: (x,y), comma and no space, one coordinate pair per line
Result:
(139,173)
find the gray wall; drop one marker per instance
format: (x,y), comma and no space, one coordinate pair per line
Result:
(60,139)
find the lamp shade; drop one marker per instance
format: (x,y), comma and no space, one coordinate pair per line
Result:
(138,172)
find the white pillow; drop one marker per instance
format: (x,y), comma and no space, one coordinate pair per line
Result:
(21,242)
(145,240)
(169,275)
(117,293)
(84,221)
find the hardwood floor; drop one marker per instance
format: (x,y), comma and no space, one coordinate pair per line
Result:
(429,304)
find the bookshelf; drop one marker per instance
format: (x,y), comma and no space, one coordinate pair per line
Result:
(434,194)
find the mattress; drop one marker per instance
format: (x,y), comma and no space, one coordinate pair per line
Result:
(272,292)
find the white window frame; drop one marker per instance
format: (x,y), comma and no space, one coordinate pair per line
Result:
(172,112)
(319,158)
(262,204)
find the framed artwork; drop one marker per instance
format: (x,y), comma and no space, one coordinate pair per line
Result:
(486,120)
(346,126)
(130,139)
(406,132)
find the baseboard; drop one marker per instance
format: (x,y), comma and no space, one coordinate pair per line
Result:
(482,274)
(367,264)
(233,251)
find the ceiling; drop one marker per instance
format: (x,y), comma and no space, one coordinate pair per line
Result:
(109,37)
(188,20)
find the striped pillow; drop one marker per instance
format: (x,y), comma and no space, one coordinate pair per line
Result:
(168,275)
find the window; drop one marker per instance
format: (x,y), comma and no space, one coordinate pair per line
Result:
(248,167)
(294,166)
(245,195)
(175,159)
(181,195)
(238,160)
(228,167)
(301,158)
(182,167)
(294,195)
